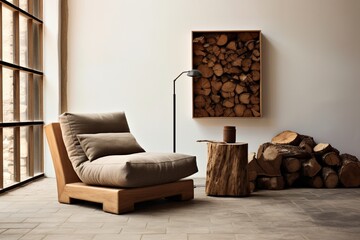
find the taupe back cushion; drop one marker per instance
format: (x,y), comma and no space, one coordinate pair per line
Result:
(73,124)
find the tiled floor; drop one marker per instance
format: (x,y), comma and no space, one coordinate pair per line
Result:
(32,212)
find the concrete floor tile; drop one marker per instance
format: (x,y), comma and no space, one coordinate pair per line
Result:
(69,237)
(168,236)
(10,237)
(33,212)
(117,237)
(211,236)
(16,231)
(33,237)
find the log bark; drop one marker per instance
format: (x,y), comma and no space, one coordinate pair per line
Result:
(271,183)
(311,167)
(291,165)
(252,186)
(227,170)
(315,182)
(330,177)
(286,137)
(308,144)
(262,148)
(349,173)
(252,173)
(285,151)
(290,178)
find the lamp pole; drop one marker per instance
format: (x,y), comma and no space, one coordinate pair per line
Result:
(190,73)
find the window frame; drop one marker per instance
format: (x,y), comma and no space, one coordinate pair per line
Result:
(33,106)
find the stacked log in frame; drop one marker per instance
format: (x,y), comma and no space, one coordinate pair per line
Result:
(292,159)
(230,65)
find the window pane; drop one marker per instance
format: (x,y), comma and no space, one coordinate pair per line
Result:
(36,49)
(36,8)
(23,5)
(38,168)
(37,97)
(11,1)
(8,95)
(8,156)
(24,153)
(24,96)
(23,41)
(8,35)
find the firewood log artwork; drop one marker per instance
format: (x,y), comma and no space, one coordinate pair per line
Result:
(295,160)
(230,63)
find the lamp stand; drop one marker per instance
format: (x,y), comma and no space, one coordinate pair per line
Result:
(190,73)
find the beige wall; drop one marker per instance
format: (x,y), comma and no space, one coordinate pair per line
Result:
(123,55)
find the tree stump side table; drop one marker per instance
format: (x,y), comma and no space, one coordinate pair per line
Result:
(227,173)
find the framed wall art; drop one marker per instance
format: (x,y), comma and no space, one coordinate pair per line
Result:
(230,63)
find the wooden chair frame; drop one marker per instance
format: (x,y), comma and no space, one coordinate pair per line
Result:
(114,200)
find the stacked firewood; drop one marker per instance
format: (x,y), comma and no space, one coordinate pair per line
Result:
(230,67)
(295,160)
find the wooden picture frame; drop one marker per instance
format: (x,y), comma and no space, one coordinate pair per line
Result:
(230,62)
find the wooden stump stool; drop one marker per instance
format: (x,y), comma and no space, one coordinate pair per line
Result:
(227,169)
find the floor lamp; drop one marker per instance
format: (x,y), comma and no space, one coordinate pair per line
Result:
(191,73)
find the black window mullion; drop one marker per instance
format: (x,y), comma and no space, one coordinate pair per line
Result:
(16,8)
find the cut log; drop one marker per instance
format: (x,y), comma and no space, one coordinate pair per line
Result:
(291,165)
(331,159)
(205,70)
(252,174)
(216,86)
(290,178)
(273,151)
(246,64)
(231,45)
(315,182)
(262,148)
(229,102)
(240,89)
(218,70)
(270,183)
(244,98)
(265,168)
(248,113)
(330,177)
(239,110)
(308,144)
(269,168)
(349,173)
(199,101)
(202,87)
(222,40)
(252,186)
(255,113)
(311,167)
(228,87)
(255,75)
(286,137)
(322,148)
(227,170)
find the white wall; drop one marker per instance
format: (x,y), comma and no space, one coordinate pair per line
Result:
(123,55)
(51,72)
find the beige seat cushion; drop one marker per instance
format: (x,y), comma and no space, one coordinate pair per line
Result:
(139,169)
(130,170)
